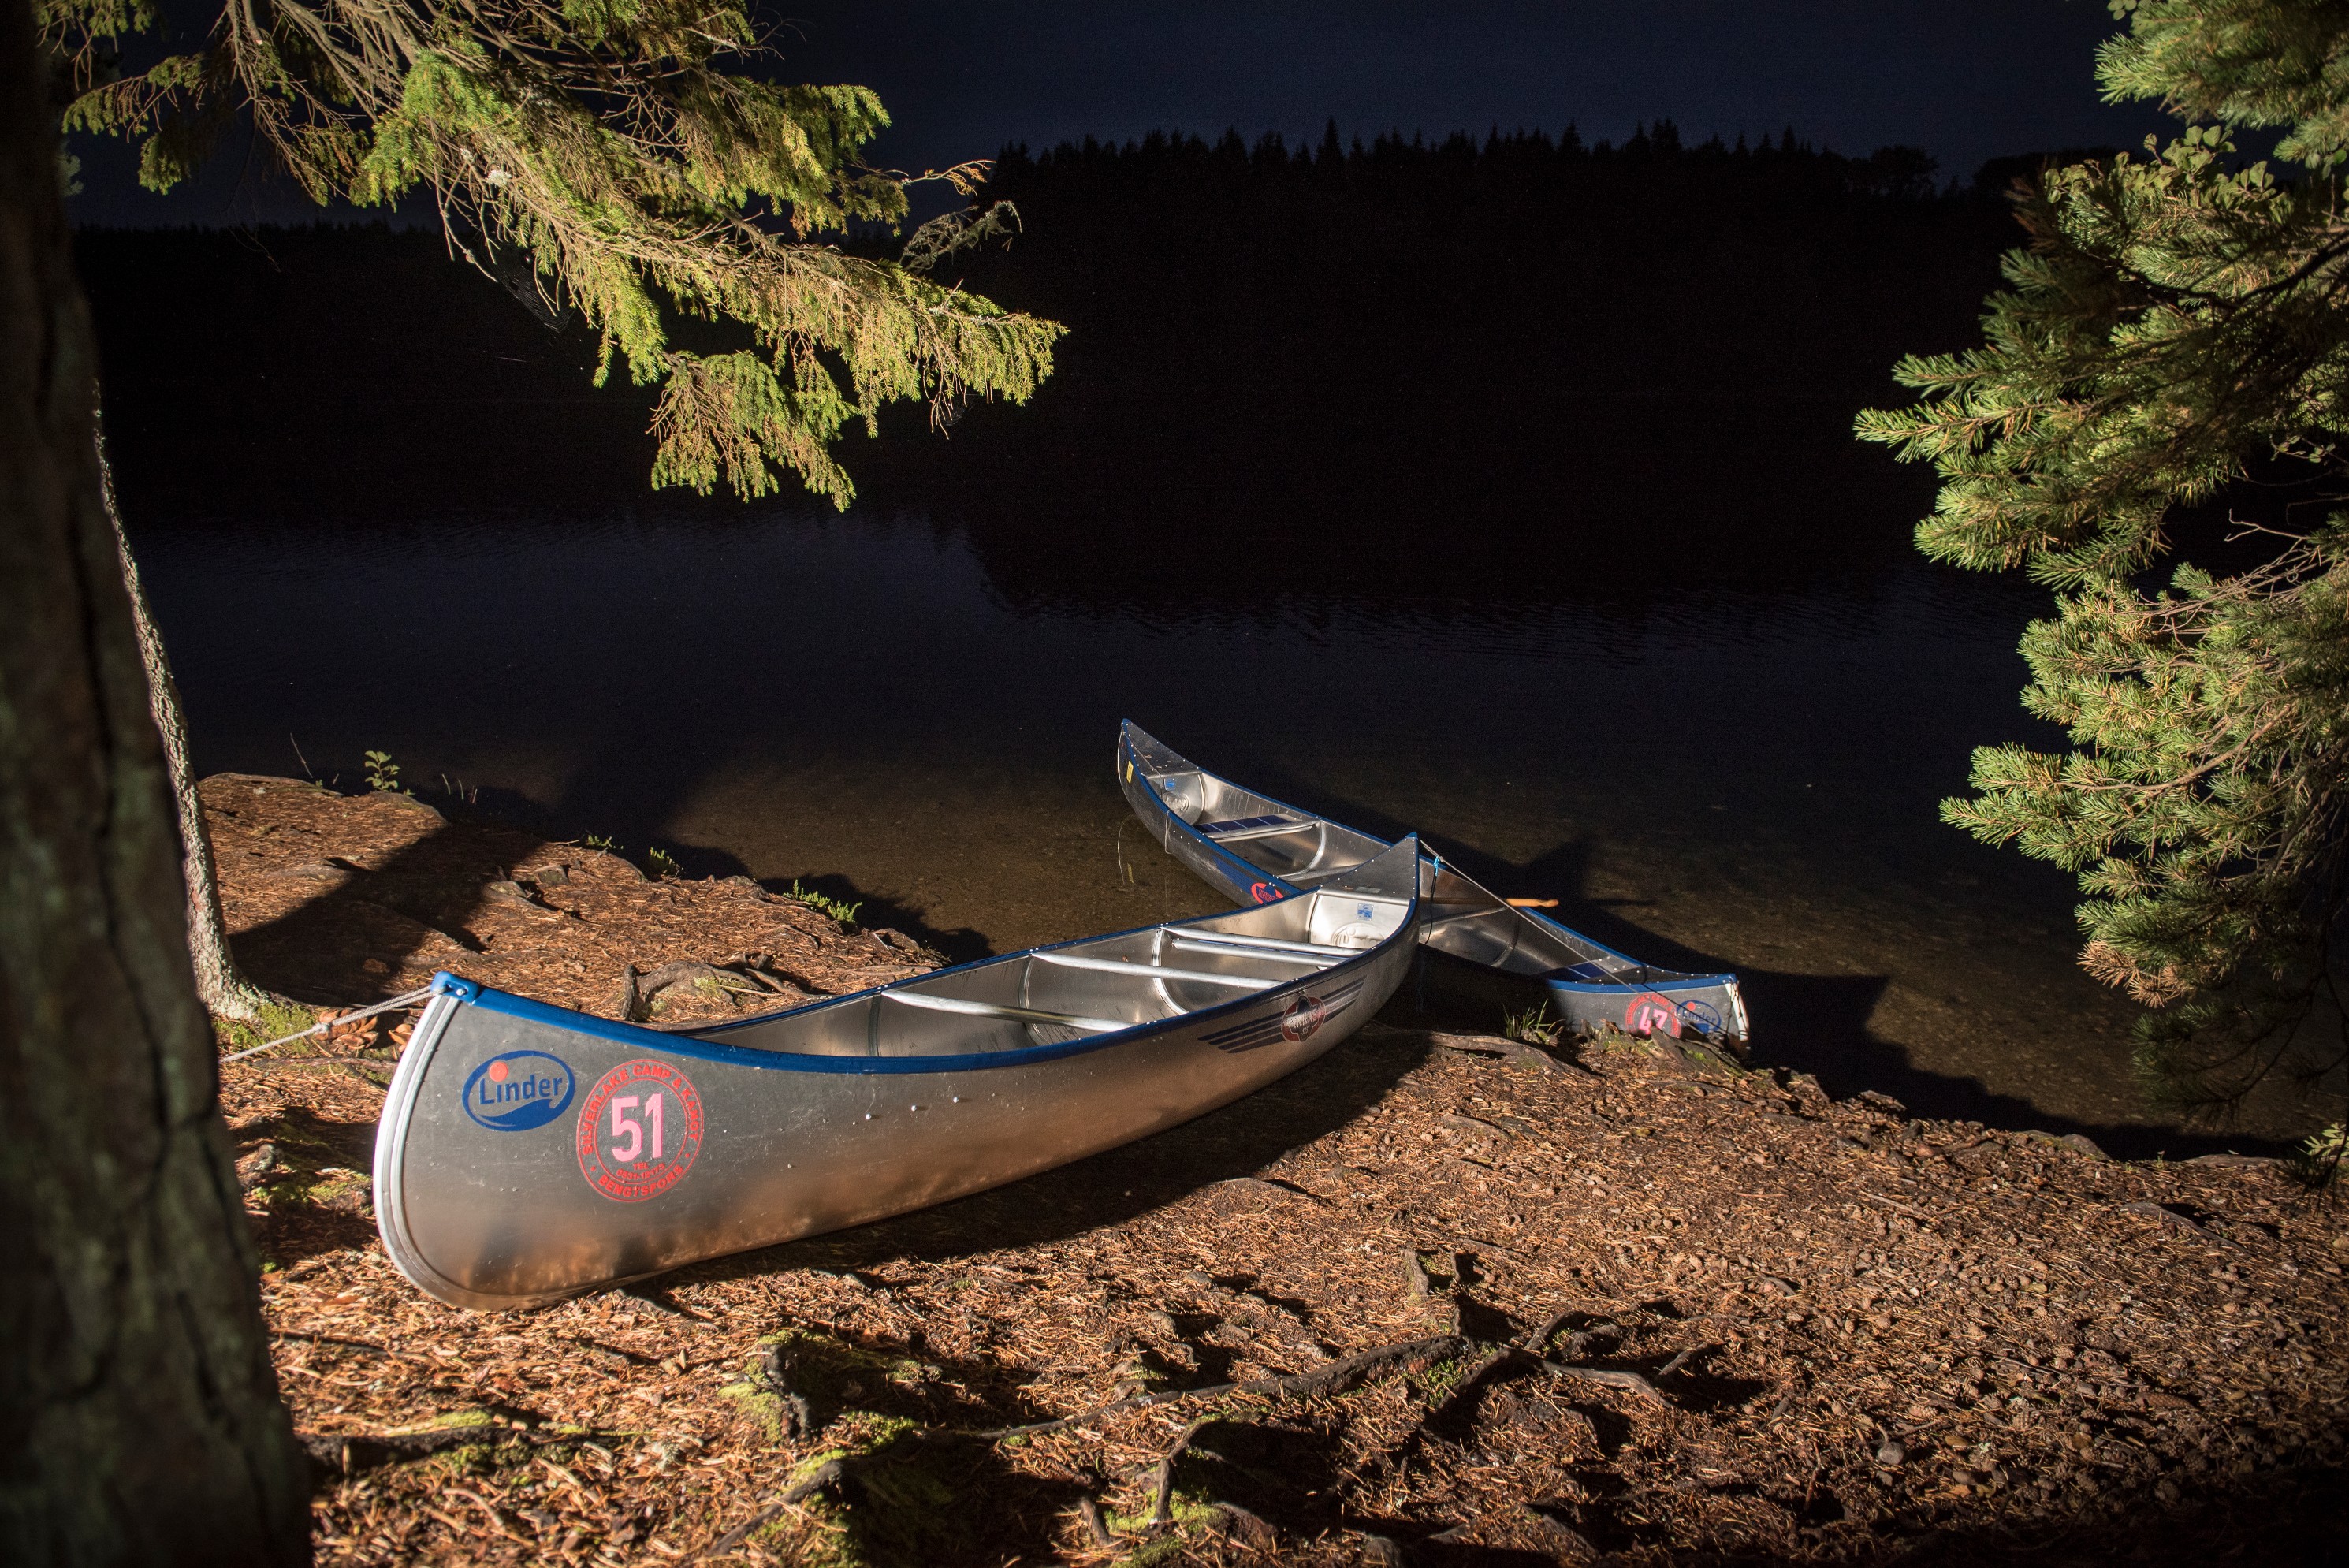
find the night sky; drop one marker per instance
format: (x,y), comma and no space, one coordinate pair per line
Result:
(1965,80)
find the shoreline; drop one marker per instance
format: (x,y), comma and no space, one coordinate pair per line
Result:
(464,868)
(1790,1326)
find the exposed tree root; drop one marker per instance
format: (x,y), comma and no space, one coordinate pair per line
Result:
(827,1474)
(1334,1379)
(1605,1376)
(342,1453)
(1162,1485)
(637,990)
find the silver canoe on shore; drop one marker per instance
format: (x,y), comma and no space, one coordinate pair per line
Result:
(1260,851)
(528,1152)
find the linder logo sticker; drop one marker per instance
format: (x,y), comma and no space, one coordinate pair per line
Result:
(639,1131)
(519,1091)
(1303,1018)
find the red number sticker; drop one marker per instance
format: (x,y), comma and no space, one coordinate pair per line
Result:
(1649,1012)
(639,1131)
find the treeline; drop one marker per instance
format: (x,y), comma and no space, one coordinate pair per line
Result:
(1528,345)
(1510,166)
(339,371)
(1520,265)
(1545,339)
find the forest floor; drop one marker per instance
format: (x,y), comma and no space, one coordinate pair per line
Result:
(1437,1298)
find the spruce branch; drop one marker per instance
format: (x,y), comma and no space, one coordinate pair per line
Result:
(627,149)
(2173,324)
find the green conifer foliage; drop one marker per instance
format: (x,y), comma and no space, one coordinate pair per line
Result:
(2175,326)
(624,147)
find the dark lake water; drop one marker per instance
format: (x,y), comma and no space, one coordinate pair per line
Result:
(1710,760)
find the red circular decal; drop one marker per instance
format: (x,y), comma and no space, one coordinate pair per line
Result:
(639,1131)
(1303,1017)
(1266,893)
(1649,1012)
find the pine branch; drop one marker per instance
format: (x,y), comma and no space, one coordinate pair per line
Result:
(2173,321)
(621,146)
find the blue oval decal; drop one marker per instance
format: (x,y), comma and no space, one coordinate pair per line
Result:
(519,1091)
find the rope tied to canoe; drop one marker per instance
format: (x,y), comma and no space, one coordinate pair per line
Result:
(334,1021)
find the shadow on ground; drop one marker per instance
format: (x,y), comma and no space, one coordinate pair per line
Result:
(1111,1187)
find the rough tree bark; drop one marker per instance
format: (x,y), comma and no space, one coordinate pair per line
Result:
(220,984)
(139,1420)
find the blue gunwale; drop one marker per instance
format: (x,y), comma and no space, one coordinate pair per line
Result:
(1245,875)
(1625,988)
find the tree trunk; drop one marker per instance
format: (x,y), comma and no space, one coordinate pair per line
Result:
(139,1421)
(223,989)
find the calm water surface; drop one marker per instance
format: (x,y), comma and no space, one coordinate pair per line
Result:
(1708,771)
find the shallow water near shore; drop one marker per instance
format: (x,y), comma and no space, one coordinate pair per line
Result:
(1705,773)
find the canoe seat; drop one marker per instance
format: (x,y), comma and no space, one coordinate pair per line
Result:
(1158,971)
(1314,954)
(996,1009)
(1241,827)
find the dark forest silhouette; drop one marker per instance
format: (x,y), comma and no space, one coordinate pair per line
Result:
(1518,344)
(1542,339)
(1462,281)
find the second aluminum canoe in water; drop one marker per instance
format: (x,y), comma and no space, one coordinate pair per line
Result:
(1259,850)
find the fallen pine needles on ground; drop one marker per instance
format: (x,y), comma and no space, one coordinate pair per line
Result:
(1437,1298)
(335,900)
(1669,1320)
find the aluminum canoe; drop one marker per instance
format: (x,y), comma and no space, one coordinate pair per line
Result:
(1261,851)
(528,1152)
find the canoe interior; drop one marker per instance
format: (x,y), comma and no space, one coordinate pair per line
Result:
(1277,839)
(1083,988)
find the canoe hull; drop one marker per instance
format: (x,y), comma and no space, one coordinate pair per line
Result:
(1682,1010)
(506,1202)
(1585,985)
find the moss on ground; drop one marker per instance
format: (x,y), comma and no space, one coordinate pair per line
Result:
(278,1019)
(903,1485)
(903,1500)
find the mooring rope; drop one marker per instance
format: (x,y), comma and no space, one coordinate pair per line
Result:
(334,1021)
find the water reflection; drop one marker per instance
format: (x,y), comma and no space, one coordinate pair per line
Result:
(1540,573)
(1733,776)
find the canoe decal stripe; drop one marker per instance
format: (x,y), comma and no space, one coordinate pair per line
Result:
(1301,1020)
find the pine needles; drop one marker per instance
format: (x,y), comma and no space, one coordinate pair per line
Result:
(626,149)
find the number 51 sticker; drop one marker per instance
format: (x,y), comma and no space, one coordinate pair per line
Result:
(639,1131)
